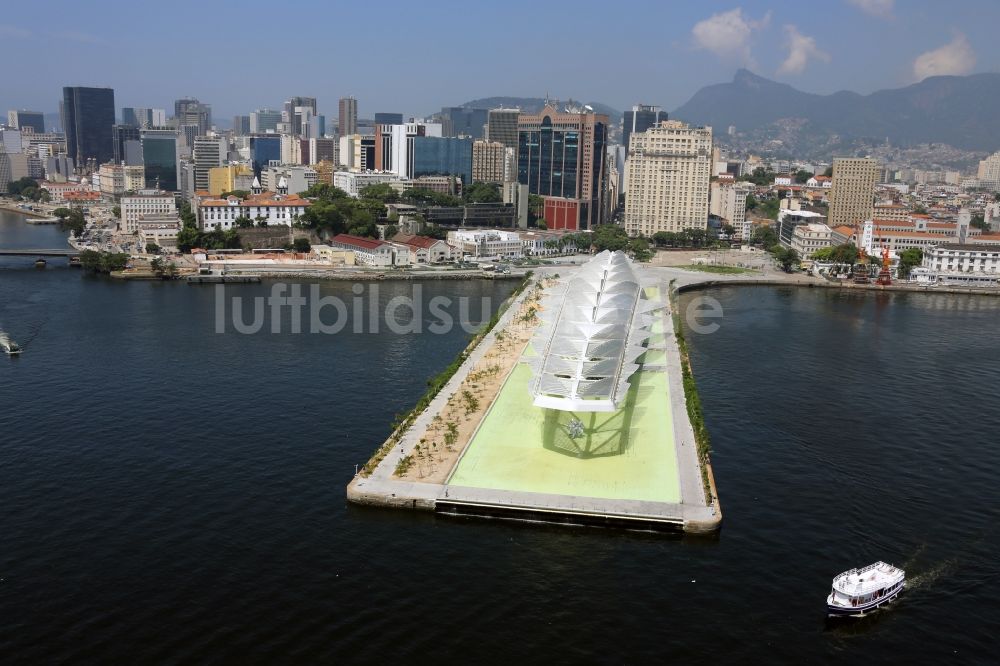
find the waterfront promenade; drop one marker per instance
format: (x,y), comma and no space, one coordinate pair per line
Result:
(638,468)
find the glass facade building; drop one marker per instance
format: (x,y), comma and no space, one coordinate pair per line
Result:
(464,121)
(640,119)
(263,149)
(159,157)
(548,160)
(127,145)
(388,118)
(88,116)
(442,156)
(561,156)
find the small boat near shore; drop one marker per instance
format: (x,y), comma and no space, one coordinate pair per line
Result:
(40,262)
(859,592)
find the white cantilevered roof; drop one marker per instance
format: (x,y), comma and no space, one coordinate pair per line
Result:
(590,337)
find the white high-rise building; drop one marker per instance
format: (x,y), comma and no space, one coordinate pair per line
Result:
(729,201)
(264,120)
(989,171)
(401,161)
(669,167)
(208,153)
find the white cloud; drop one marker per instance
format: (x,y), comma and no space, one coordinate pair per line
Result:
(15,32)
(728,34)
(955,57)
(881,8)
(801,49)
(82,37)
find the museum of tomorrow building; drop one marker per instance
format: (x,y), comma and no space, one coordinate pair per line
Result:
(592,332)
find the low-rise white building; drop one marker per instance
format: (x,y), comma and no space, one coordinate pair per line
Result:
(353,182)
(159,230)
(486,243)
(809,237)
(271,208)
(955,258)
(546,243)
(372,252)
(145,203)
(424,249)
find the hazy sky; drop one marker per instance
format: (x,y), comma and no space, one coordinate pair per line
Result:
(414,57)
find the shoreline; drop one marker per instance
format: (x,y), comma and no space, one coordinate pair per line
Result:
(901,288)
(11,207)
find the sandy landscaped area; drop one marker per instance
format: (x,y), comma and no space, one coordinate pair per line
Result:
(444,440)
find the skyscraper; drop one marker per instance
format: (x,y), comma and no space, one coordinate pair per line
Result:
(442,156)
(640,119)
(294,115)
(264,120)
(465,121)
(127,145)
(21,119)
(241,125)
(208,153)
(159,157)
(88,116)
(348,119)
(501,125)
(129,117)
(189,111)
(388,118)
(264,149)
(669,168)
(852,191)
(561,157)
(488,159)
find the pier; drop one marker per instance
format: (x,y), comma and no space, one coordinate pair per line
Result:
(636,467)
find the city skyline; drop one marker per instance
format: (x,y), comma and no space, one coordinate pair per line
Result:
(663,59)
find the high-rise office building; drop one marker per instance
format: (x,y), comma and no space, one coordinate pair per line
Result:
(263,150)
(208,153)
(388,118)
(561,157)
(129,117)
(21,119)
(357,152)
(852,191)
(728,201)
(152,117)
(140,117)
(442,156)
(88,114)
(348,118)
(241,125)
(394,145)
(264,120)
(640,119)
(294,111)
(464,121)
(501,125)
(160,158)
(669,169)
(189,111)
(127,145)
(488,161)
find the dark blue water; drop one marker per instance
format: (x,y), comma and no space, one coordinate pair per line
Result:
(172,495)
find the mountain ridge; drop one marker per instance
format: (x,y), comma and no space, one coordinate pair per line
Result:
(956,110)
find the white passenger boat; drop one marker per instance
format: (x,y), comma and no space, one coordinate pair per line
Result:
(861,591)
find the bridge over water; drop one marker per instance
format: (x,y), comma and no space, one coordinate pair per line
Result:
(49,252)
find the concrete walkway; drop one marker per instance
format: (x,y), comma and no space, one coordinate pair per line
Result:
(688,466)
(380,481)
